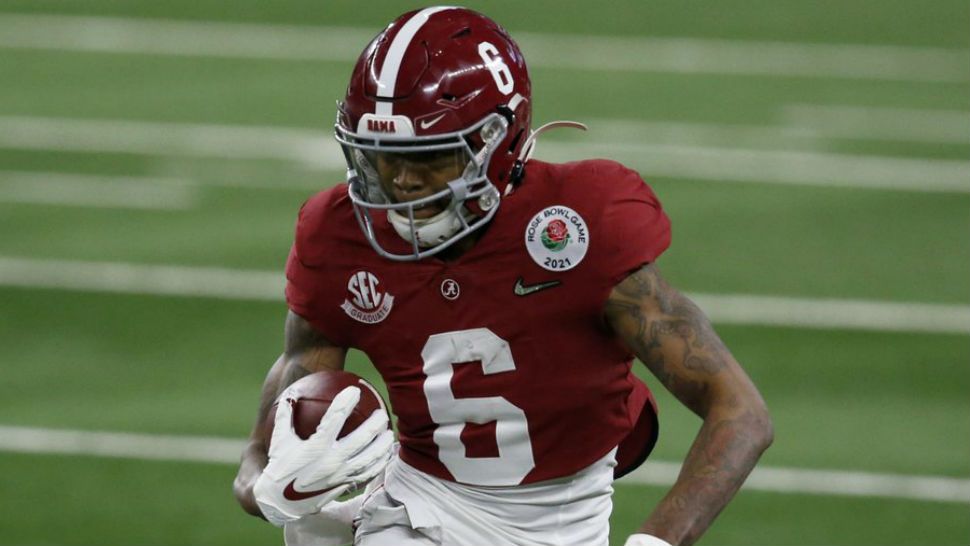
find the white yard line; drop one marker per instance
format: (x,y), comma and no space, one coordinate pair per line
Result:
(204,449)
(588,52)
(804,126)
(182,38)
(693,133)
(76,190)
(838,314)
(170,138)
(316,149)
(718,164)
(747,58)
(127,278)
(825,482)
(166,190)
(120,444)
(875,123)
(233,284)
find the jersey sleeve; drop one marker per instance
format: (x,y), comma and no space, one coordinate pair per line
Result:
(308,289)
(634,226)
(300,276)
(299,285)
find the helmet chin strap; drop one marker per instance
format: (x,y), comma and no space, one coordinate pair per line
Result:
(529,146)
(429,231)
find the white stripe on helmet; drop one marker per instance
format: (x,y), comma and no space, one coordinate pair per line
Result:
(392,62)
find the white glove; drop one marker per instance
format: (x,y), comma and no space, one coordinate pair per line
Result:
(643,539)
(334,524)
(304,475)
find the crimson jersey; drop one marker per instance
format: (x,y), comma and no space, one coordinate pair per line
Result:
(499,366)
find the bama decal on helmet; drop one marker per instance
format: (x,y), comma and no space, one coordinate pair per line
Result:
(371,125)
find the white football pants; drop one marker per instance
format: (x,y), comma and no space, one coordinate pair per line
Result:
(416,509)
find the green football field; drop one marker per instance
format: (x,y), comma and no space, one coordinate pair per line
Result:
(814,158)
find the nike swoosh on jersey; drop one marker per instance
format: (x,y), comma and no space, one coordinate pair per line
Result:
(524,290)
(425,124)
(290,493)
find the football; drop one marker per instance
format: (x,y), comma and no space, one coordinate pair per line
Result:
(315,392)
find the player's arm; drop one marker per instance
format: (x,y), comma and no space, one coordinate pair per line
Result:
(305,351)
(675,340)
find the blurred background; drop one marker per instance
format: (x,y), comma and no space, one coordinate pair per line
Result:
(813,157)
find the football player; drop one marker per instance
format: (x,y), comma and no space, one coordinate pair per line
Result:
(502,299)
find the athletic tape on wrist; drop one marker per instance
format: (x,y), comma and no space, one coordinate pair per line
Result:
(643,539)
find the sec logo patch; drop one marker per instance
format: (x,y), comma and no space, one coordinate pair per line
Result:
(557,238)
(367,303)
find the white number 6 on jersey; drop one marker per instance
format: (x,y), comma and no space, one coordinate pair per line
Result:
(515,458)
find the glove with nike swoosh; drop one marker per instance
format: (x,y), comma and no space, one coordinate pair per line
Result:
(304,475)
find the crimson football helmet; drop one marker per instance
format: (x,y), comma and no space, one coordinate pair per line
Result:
(441,84)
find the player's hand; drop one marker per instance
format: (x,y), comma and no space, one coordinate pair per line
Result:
(643,539)
(304,475)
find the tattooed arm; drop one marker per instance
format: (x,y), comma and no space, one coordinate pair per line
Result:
(305,352)
(676,341)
